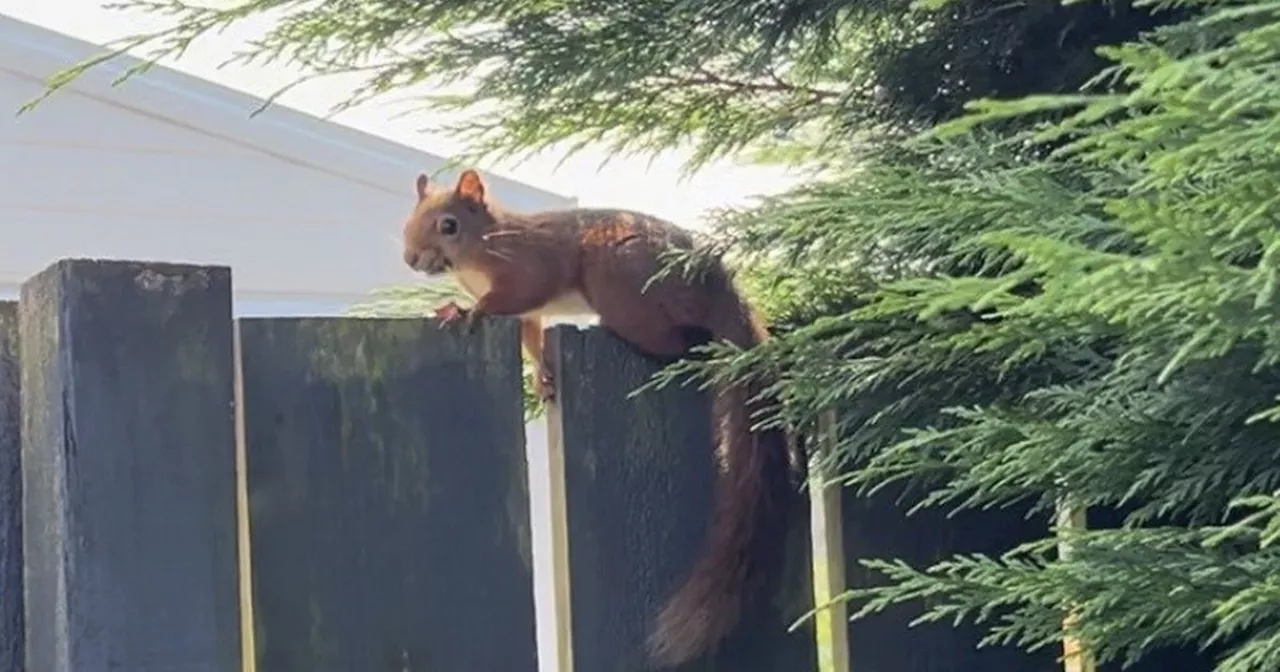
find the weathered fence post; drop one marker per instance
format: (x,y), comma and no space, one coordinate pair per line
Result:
(11,630)
(388,495)
(128,468)
(637,484)
(878,527)
(1070,518)
(831,620)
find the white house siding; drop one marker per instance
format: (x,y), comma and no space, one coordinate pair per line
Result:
(170,167)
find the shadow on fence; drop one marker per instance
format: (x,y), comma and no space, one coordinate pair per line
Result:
(387,498)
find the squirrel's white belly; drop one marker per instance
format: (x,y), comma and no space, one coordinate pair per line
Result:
(567,305)
(570,305)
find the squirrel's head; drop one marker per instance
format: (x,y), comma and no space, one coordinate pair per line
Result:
(447,227)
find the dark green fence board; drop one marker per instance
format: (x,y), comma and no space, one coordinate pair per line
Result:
(388,496)
(1187,658)
(11,629)
(878,527)
(638,483)
(128,467)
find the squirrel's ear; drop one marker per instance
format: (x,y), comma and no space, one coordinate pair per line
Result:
(422,185)
(470,187)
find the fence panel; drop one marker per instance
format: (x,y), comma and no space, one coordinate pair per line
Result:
(878,527)
(11,630)
(129,468)
(388,495)
(637,482)
(1187,657)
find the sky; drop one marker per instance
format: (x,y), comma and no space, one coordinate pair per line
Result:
(639,183)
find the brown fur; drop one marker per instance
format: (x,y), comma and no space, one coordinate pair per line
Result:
(544,265)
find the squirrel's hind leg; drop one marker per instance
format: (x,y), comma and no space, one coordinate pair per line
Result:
(531,338)
(657,342)
(650,318)
(645,327)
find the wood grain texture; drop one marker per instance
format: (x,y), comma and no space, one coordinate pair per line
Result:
(638,484)
(128,468)
(11,618)
(388,496)
(878,527)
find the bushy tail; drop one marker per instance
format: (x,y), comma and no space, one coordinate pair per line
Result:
(745,547)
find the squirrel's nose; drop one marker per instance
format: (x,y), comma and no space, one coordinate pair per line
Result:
(411,258)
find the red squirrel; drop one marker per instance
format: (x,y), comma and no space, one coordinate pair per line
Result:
(597,262)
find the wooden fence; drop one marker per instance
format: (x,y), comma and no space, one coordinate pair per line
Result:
(378,467)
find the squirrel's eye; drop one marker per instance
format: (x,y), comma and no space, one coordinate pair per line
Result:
(448,225)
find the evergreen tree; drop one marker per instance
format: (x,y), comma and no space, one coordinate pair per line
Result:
(723,75)
(1002,312)
(1093,324)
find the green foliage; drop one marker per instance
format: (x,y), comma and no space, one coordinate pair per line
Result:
(786,78)
(1097,322)
(410,301)
(1062,295)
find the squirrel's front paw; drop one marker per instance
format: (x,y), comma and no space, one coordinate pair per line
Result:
(450,312)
